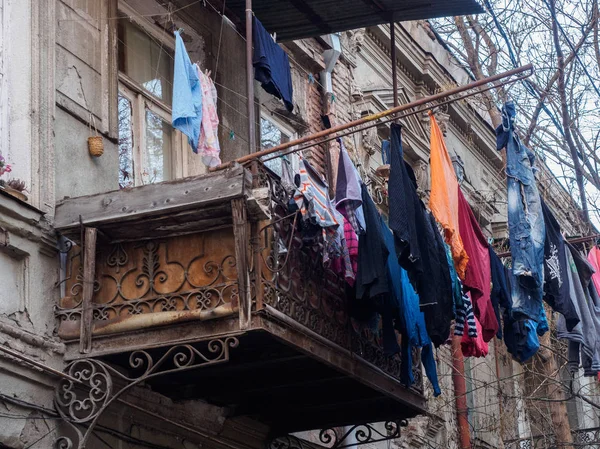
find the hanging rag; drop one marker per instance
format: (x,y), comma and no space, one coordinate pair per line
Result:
(465,316)
(208,145)
(312,199)
(409,317)
(500,294)
(594,260)
(556,282)
(585,333)
(478,275)
(348,196)
(187,95)
(443,199)
(437,300)
(525,217)
(403,207)
(271,65)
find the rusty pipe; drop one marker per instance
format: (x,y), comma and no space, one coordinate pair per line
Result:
(460,394)
(372,117)
(395,118)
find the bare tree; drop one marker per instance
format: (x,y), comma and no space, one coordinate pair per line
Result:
(558,105)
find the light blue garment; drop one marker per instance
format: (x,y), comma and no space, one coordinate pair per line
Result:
(526,226)
(187,95)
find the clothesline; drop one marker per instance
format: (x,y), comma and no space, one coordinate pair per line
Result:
(389,112)
(396,117)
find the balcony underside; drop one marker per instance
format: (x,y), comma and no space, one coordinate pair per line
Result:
(286,377)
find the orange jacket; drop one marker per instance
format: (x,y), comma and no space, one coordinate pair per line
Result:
(443,199)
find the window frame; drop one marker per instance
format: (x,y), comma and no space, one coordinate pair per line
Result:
(142,100)
(284,128)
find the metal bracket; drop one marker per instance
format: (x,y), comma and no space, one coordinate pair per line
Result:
(344,437)
(88,386)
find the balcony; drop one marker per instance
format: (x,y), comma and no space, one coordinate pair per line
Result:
(174,300)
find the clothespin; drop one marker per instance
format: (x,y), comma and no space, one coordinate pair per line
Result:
(231,135)
(274,36)
(332,98)
(311,78)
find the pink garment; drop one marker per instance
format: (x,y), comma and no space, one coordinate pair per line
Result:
(208,145)
(594,260)
(347,263)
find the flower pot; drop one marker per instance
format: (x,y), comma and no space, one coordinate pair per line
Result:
(15,193)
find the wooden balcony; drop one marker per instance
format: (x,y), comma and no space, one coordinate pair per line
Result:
(176,266)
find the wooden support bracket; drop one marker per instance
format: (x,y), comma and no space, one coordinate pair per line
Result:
(87,309)
(240,233)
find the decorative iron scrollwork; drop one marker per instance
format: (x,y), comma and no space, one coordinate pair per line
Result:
(344,437)
(339,438)
(89,389)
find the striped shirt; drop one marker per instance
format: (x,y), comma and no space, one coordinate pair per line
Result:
(465,313)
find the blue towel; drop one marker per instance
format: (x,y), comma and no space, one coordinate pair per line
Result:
(187,95)
(271,65)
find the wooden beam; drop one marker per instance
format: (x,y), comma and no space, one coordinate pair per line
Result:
(140,203)
(87,308)
(240,235)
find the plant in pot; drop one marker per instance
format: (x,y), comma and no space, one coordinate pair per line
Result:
(14,187)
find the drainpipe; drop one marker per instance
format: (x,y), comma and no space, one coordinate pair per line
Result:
(250,80)
(330,58)
(460,394)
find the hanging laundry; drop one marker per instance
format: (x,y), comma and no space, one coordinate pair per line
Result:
(585,335)
(403,207)
(443,199)
(208,144)
(312,199)
(500,294)
(271,65)
(556,282)
(478,275)
(435,285)
(187,95)
(411,320)
(457,290)
(348,197)
(344,265)
(594,260)
(373,294)
(521,338)
(473,346)
(465,316)
(352,244)
(525,217)
(371,278)
(587,332)
(385,151)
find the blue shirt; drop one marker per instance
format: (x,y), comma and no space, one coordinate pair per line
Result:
(187,95)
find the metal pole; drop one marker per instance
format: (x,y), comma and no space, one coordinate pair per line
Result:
(250,80)
(394,63)
(372,117)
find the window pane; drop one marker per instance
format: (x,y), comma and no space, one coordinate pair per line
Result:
(159,136)
(271,135)
(145,61)
(125,143)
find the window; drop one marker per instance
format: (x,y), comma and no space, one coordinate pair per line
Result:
(273,133)
(148,144)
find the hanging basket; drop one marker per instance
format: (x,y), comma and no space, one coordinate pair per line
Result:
(96,146)
(95,143)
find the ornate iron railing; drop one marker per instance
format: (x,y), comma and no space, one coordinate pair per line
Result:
(295,281)
(193,273)
(582,439)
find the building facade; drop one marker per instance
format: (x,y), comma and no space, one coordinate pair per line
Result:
(194,329)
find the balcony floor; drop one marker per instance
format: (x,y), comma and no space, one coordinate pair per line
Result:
(287,379)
